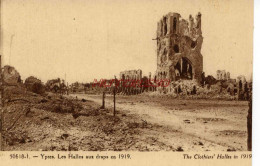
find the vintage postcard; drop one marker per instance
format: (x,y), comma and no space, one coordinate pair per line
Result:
(126,82)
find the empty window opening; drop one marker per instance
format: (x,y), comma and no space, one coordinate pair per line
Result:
(183,69)
(174,24)
(165,25)
(193,44)
(176,48)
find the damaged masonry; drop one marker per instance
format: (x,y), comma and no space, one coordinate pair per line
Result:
(179,65)
(178,48)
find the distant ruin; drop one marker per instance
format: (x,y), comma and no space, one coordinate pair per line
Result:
(178,48)
(241,78)
(179,67)
(223,75)
(131,75)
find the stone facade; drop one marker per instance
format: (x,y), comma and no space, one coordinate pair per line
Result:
(131,75)
(179,48)
(223,75)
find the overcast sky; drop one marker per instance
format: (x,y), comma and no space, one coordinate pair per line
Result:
(89,39)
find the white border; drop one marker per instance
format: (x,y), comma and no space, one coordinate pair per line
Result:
(256,85)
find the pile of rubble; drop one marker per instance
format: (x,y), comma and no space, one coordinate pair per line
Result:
(190,89)
(53,122)
(35,85)
(11,76)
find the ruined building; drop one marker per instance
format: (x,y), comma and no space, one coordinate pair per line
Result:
(241,78)
(131,75)
(223,75)
(179,44)
(128,88)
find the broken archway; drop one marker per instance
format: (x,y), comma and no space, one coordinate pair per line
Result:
(183,69)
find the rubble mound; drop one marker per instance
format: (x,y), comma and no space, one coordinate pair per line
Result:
(190,89)
(185,87)
(34,85)
(11,75)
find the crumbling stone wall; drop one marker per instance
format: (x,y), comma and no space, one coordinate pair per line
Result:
(131,75)
(223,75)
(244,88)
(179,48)
(126,82)
(241,78)
(56,85)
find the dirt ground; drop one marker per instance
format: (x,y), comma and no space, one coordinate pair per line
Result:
(142,123)
(189,125)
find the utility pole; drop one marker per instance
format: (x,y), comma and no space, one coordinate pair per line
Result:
(103,100)
(12,36)
(67,88)
(115,98)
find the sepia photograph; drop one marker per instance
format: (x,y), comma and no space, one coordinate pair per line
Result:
(132,75)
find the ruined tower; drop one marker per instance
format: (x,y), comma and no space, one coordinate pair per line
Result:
(178,48)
